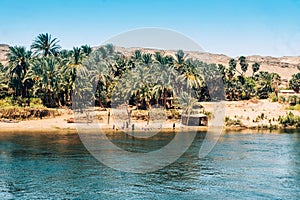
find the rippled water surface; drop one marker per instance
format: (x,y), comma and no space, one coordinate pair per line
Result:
(241,166)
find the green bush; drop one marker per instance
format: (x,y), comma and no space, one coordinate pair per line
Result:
(282,99)
(290,120)
(21,102)
(6,102)
(36,102)
(295,107)
(293,100)
(232,122)
(273,97)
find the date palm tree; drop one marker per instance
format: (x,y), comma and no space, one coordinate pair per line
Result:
(102,69)
(147,59)
(243,64)
(294,83)
(164,77)
(265,83)
(187,103)
(3,84)
(48,79)
(164,60)
(191,75)
(232,63)
(179,61)
(17,67)
(255,68)
(45,45)
(140,83)
(72,60)
(86,49)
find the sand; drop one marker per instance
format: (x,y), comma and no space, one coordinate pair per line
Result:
(246,111)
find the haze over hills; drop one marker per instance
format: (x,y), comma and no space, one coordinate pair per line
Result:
(285,66)
(3,51)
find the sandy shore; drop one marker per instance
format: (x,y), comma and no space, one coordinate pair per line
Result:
(245,111)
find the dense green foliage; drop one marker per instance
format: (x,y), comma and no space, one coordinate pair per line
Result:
(295,82)
(290,120)
(144,79)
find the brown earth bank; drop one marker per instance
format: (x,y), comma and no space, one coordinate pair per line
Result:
(248,113)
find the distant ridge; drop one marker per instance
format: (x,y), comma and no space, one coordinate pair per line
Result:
(285,66)
(3,51)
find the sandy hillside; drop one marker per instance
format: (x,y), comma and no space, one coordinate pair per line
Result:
(285,66)
(3,52)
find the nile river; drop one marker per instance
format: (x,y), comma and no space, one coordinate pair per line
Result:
(241,166)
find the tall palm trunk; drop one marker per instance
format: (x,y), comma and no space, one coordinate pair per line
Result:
(165,98)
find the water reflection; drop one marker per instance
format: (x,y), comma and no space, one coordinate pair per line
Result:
(57,166)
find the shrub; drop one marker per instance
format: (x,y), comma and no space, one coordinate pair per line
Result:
(295,107)
(293,100)
(273,97)
(282,99)
(208,114)
(232,122)
(5,102)
(290,120)
(36,102)
(21,102)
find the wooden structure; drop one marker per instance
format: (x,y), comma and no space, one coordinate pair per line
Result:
(287,92)
(194,120)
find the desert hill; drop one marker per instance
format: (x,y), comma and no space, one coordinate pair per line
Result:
(3,51)
(285,66)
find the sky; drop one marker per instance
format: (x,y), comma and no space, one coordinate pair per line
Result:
(231,27)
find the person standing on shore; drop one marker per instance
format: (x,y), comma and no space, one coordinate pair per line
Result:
(108,116)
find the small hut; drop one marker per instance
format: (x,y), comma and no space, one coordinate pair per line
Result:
(287,92)
(194,120)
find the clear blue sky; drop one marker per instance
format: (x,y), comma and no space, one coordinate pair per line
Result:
(232,27)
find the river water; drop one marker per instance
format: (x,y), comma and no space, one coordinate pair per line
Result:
(241,166)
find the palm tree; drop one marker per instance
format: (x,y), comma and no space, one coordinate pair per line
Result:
(147,59)
(158,57)
(87,50)
(44,45)
(164,77)
(187,103)
(3,84)
(100,77)
(48,80)
(106,52)
(191,75)
(294,83)
(137,55)
(179,61)
(140,82)
(17,66)
(265,83)
(232,63)
(77,56)
(255,68)
(72,63)
(164,60)
(243,64)
(102,68)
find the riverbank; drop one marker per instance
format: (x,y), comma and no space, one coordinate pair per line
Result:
(239,115)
